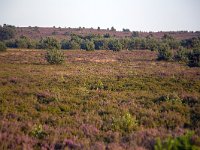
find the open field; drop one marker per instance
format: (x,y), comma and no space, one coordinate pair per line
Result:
(95,100)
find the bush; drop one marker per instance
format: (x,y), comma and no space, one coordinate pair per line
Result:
(49,43)
(2,47)
(181,55)
(65,44)
(115,45)
(21,43)
(164,53)
(38,132)
(54,56)
(88,45)
(194,58)
(126,123)
(182,142)
(11,44)
(7,32)
(98,85)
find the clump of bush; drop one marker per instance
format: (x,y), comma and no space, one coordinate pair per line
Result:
(115,45)
(164,53)
(2,47)
(126,123)
(49,43)
(98,85)
(168,98)
(194,58)
(181,55)
(181,142)
(88,45)
(54,56)
(45,98)
(38,132)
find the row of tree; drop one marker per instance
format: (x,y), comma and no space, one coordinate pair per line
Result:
(97,42)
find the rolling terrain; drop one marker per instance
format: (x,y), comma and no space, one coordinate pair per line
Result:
(95,100)
(64,33)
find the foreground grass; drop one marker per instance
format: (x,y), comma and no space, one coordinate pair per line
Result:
(96,100)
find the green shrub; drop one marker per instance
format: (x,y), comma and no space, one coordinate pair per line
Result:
(98,85)
(49,43)
(22,42)
(168,98)
(179,143)
(2,47)
(88,45)
(115,45)
(126,123)
(54,56)
(164,53)
(11,44)
(7,32)
(194,58)
(38,132)
(181,55)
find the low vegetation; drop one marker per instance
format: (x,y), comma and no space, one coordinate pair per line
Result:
(97,100)
(131,93)
(182,142)
(54,56)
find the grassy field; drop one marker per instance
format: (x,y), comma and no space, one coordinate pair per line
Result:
(96,100)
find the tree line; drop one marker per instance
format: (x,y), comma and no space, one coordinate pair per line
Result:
(168,48)
(105,42)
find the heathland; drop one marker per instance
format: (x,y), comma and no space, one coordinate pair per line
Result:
(131,95)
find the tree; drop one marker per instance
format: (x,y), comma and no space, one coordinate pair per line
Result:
(167,37)
(107,35)
(2,47)
(7,32)
(22,42)
(152,44)
(88,45)
(49,43)
(113,29)
(135,34)
(65,44)
(194,58)
(114,45)
(181,55)
(164,52)
(125,30)
(101,43)
(74,45)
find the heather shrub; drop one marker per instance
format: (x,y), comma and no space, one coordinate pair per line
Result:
(2,47)
(45,98)
(54,56)
(168,98)
(172,120)
(195,116)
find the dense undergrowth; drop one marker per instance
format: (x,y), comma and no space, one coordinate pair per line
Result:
(97,100)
